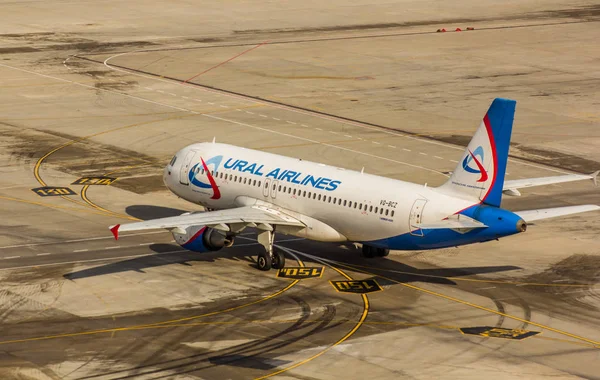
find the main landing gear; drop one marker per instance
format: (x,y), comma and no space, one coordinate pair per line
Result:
(272,257)
(370,252)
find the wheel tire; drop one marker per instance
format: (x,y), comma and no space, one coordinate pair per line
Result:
(263,261)
(278,259)
(383,252)
(368,251)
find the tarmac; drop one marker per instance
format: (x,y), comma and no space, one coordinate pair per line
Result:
(94,89)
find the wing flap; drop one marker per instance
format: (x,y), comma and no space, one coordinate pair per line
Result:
(240,215)
(545,213)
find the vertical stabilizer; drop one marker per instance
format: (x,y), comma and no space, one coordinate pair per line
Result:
(480,172)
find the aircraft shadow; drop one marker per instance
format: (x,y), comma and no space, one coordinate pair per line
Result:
(162,254)
(389,272)
(146,212)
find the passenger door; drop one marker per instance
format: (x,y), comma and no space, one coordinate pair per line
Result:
(416,216)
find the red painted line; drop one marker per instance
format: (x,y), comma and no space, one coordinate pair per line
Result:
(224,62)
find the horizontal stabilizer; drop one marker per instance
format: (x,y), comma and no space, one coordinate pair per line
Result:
(510,187)
(545,213)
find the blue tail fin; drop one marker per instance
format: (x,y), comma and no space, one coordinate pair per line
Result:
(480,172)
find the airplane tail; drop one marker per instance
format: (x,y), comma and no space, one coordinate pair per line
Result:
(481,170)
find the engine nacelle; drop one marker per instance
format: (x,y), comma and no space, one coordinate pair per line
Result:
(202,239)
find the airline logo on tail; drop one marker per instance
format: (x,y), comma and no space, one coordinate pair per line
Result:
(215,161)
(479,169)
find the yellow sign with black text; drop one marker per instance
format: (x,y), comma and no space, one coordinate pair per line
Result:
(53,191)
(299,273)
(356,286)
(95,181)
(498,332)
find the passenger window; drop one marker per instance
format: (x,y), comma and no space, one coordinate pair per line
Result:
(304,193)
(344,202)
(329,200)
(315,196)
(386,212)
(294,192)
(392,213)
(289,190)
(370,208)
(319,196)
(235,179)
(309,194)
(279,188)
(266,185)
(259,182)
(376,209)
(284,188)
(244,181)
(334,200)
(254,183)
(381,211)
(340,201)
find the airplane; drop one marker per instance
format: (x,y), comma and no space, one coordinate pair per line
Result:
(244,188)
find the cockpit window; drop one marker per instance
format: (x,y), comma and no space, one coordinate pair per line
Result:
(173,161)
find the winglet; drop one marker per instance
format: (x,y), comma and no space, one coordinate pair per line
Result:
(115,231)
(594,176)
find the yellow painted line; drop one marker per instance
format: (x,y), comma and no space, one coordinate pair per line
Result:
(473,279)
(158,324)
(596,344)
(360,322)
(38,164)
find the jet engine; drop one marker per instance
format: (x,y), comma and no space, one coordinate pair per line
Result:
(202,238)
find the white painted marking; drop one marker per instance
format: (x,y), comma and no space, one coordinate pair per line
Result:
(44,254)
(148,88)
(113,247)
(312,114)
(563,280)
(276,119)
(251,113)
(212,104)
(322,143)
(11,257)
(198,100)
(489,287)
(80,250)
(185,97)
(172,94)
(261,115)
(454,161)
(423,154)
(318,129)
(304,125)
(391,146)
(291,122)
(87,239)
(439,158)
(375,142)
(406,150)
(348,136)
(161,91)
(223,106)
(146,243)
(239,110)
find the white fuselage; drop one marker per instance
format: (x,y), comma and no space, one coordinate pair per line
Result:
(335,204)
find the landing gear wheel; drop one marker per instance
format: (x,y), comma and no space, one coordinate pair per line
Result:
(368,251)
(263,262)
(278,259)
(383,252)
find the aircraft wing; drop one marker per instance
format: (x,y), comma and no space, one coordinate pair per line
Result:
(545,213)
(511,186)
(249,216)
